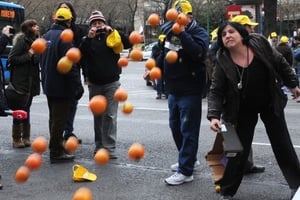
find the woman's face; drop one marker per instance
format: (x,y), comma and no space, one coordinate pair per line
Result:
(36,29)
(231,37)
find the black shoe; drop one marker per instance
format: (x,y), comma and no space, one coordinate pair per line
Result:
(62,158)
(225,197)
(158,96)
(72,135)
(254,169)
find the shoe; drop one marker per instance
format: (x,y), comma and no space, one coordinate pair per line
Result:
(158,97)
(175,166)
(72,135)
(178,178)
(254,169)
(62,158)
(225,197)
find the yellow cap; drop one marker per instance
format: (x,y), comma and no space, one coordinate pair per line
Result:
(63,14)
(284,39)
(161,37)
(183,6)
(244,20)
(273,34)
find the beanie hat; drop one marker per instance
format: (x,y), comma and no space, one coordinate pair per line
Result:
(243,20)
(63,14)
(96,15)
(183,6)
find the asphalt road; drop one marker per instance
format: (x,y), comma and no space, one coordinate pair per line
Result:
(123,179)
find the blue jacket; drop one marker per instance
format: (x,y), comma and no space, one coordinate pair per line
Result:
(54,83)
(187,76)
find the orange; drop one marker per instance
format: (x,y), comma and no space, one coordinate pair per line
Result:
(83,193)
(218,188)
(136,55)
(153,19)
(171,14)
(135,37)
(136,151)
(39,144)
(39,45)
(177,28)
(171,56)
(120,95)
(150,63)
(155,73)
(182,19)
(127,108)
(34,161)
(67,35)
(122,62)
(73,54)
(22,174)
(101,157)
(98,104)
(64,65)
(71,144)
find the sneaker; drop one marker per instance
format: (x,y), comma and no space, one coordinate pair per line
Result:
(178,178)
(175,166)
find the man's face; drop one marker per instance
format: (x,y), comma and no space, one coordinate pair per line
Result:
(98,24)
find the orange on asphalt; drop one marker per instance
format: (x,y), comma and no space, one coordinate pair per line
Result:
(127,108)
(34,161)
(39,45)
(83,193)
(64,65)
(120,95)
(98,104)
(102,156)
(67,35)
(39,144)
(74,54)
(71,144)
(150,63)
(136,151)
(22,174)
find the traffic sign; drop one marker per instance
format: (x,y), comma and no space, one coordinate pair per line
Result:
(232,11)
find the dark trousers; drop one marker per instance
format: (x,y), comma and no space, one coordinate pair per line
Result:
(69,125)
(58,114)
(281,143)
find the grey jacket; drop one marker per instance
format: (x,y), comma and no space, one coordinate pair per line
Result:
(223,98)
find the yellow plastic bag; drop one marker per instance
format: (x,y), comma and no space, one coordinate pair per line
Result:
(118,49)
(113,39)
(82,174)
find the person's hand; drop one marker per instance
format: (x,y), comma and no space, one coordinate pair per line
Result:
(108,29)
(215,125)
(295,92)
(6,32)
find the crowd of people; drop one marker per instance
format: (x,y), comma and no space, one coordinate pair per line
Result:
(244,66)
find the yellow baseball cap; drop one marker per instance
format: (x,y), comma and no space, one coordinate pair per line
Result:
(161,37)
(244,20)
(273,34)
(63,14)
(284,39)
(183,6)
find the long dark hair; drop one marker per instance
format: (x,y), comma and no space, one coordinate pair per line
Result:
(26,27)
(240,28)
(69,4)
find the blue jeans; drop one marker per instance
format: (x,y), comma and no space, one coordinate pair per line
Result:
(105,125)
(184,120)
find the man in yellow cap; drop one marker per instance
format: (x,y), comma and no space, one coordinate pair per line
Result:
(59,88)
(273,39)
(284,48)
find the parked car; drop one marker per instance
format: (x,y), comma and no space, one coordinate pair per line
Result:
(148,50)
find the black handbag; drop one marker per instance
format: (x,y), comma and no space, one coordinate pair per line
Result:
(16,100)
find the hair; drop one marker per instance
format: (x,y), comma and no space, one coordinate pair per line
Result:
(240,28)
(70,6)
(26,27)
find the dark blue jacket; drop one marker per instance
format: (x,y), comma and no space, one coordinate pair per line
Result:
(188,75)
(54,83)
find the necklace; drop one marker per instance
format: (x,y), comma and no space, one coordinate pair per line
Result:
(241,74)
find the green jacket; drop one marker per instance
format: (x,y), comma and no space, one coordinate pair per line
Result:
(24,66)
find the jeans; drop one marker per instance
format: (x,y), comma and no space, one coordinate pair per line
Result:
(184,120)
(105,125)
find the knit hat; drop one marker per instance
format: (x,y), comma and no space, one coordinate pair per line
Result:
(63,14)
(183,6)
(96,15)
(243,20)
